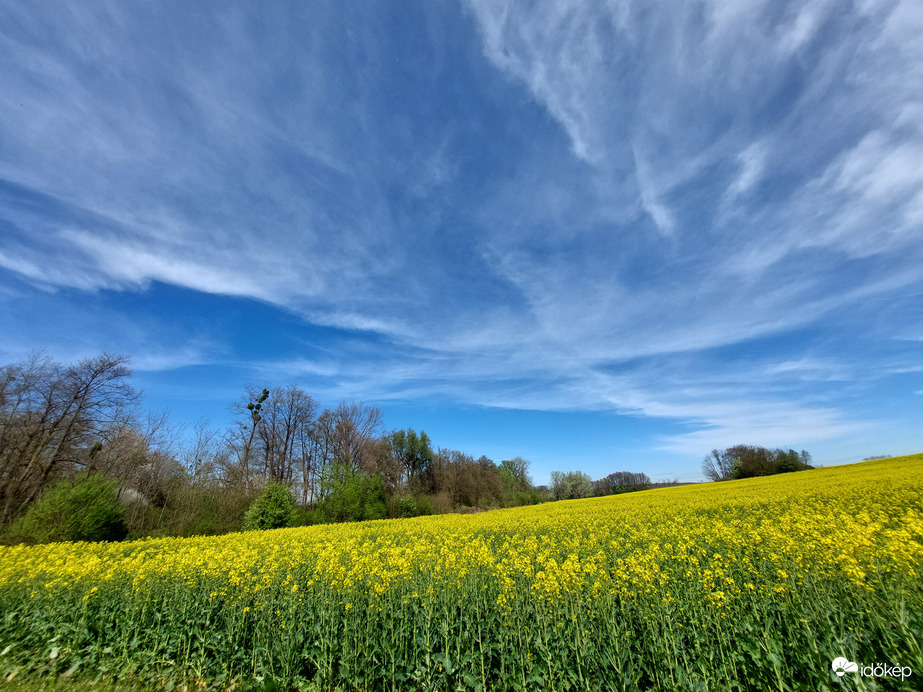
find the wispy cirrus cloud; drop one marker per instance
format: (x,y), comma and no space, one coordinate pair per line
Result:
(506,203)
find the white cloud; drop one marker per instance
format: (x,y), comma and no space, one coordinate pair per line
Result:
(796,34)
(22,266)
(752,161)
(775,149)
(811,369)
(651,197)
(769,427)
(522,40)
(161,359)
(136,264)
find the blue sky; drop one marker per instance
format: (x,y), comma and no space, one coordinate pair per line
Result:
(600,235)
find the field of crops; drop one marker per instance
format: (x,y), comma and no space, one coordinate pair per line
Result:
(755,584)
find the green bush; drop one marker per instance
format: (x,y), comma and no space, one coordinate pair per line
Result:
(408,506)
(353,496)
(82,509)
(272,509)
(424,506)
(307,517)
(403,506)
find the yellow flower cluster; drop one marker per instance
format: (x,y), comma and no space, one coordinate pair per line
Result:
(721,541)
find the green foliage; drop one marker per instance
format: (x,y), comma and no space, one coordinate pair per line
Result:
(527,498)
(353,496)
(206,518)
(407,506)
(404,506)
(514,476)
(789,461)
(571,485)
(749,461)
(424,506)
(621,482)
(82,509)
(209,513)
(303,516)
(192,511)
(415,455)
(272,509)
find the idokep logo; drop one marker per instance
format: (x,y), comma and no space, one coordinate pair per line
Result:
(842,665)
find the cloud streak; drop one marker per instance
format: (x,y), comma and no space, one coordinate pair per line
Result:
(506,203)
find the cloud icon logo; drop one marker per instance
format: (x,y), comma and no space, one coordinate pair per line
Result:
(841,666)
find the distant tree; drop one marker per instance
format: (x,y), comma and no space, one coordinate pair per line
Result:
(787,461)
(570,485)
(620,482)
(514,475)
(285,420)
(719,465)
(200,458)
(453,474)
(384,465)
(488,488)
(751,461)
(414,453)
(279,437)
(748,461)
(353,430)
(242,438)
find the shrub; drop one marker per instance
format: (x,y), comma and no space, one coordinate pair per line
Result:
(424,506)
(403,506)
(272,509)
(307,517)
(407,506)
(206,517)
(82,509)
(353,496)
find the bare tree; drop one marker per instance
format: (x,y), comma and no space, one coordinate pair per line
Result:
(286,419)
(356,427)
(54,418)
(459,475)
(274,439)
(240,438)
(386,466)
(201,458)
(719,465)
(316,455)
(344,438)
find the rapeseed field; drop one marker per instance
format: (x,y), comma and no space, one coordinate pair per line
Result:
(742,585)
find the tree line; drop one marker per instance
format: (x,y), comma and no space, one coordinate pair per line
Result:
(73,435)
(79,428)
(749,461)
